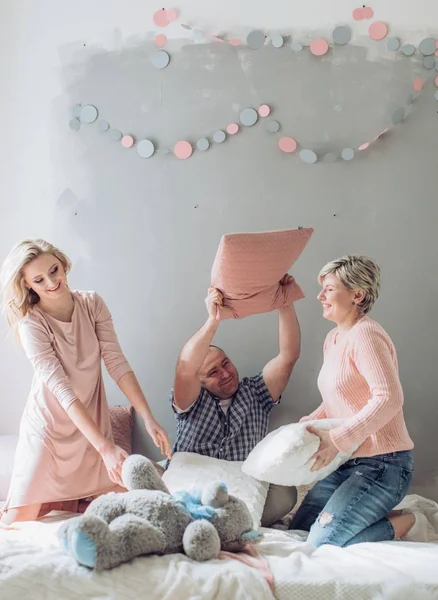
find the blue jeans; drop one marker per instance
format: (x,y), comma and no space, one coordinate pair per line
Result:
(351,505)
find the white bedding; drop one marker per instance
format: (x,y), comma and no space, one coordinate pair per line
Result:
(32,566)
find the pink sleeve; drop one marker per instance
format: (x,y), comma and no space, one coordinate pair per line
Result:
(36,343)
(318,413)
(374,360)
(113,357)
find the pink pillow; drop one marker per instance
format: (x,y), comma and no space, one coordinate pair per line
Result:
(249,266)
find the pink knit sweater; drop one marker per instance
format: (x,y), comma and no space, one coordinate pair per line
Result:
(359,382)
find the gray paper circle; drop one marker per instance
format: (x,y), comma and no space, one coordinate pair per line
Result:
(203,144)
(248,117)
(427,46)
(408,49)
(76,111)
(347,153)
(277,41)
(341,35)
(160,59)
(115,135)
(330,157)
(272,126)
(145,148)
(429,62)
(296,46)
(436,95)
(75,124)
(103,125)
(393,44)
(88,113)
(308,156)
(219,136)
(255,39)
(398,116)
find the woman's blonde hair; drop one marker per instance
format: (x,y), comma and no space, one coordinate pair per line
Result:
(17,299)
(356,273)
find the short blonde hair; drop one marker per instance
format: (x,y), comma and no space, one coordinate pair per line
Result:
(17,299)
(356,273)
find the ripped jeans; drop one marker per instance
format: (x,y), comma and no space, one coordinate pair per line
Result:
(351,505)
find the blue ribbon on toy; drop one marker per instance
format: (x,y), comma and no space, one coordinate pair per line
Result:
(192,503)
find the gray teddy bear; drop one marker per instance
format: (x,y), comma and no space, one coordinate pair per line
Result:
(118,527)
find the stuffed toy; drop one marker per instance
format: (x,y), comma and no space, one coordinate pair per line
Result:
(147,519)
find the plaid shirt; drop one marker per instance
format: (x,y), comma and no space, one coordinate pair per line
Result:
(205,429)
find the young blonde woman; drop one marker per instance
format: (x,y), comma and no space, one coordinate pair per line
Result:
(65,449)
(359,382)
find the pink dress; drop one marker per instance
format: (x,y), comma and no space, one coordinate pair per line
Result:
(54,461)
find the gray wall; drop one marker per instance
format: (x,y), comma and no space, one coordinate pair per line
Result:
(143,233)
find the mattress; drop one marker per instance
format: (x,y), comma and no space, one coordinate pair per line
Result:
(32,565)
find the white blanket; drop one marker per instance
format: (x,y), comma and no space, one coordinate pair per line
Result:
(32,566)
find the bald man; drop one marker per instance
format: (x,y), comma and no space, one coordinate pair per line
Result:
(220,415)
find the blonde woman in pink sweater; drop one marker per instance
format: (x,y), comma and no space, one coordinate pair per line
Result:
(359,382)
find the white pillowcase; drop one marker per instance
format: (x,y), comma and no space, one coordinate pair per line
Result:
(283,456)
(188,470)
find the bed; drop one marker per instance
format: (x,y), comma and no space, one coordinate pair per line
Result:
(32,566)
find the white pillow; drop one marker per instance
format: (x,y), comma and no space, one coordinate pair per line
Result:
(8,444)
(188,470)
(283,456)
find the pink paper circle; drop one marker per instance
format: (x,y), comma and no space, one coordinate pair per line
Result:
(232,128)
(127,141)
(287,144)
(357,14)
(378,30)
(364,146)
(161,39)
(367,12)
(183,150)
(264,110)
(418,84)
(235,42)
(172,15)
(319,47)
(160,18)
(436,81)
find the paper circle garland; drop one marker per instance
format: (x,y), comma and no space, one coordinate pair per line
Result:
(319,47)
(183,150)
(248,117)
(255,39)
(75,124)
(272,126)
(232,128)
(341,35)
(427,46)
(219,136)
(287,144)
(88,113)
(378,30)
(160,40)
(203,144)
(264,110)
(127,141)
(145,148)
(160,59)
(308,156)
(160,18)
